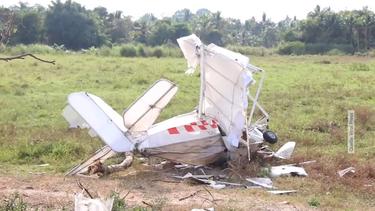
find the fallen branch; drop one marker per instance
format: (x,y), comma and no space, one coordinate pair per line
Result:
(101,169)
(148,204)
(22,56)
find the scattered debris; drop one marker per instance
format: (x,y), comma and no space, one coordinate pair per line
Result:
(261,181)
(43,165)
(221,128)
(189,175)
(281,192)
(303,163)
(345,171)
(287,170)
(216,186)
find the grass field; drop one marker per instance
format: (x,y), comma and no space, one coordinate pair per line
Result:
(307,97)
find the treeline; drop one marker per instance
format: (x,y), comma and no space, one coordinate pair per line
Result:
(70,25)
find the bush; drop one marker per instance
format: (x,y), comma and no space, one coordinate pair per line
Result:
(128,51)
(295,48)
(33,48)
(371,53)
(157,52)
(335,52)
(323,48)
(141,51)
(249,50)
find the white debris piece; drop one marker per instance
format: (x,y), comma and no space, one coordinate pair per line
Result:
(216,186)
(280,192)
(345,171)
(82,203)
(261,181)
(206,209)
(287,170)
(286,151)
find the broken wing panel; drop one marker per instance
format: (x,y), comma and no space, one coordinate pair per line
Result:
(225,81)
(225,93)
(143,113)
(89,111)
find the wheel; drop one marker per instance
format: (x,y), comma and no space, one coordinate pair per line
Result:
(270,137)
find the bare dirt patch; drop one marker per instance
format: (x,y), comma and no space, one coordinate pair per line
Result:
(139,188)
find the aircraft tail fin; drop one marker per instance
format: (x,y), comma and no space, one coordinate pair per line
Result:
(140,115)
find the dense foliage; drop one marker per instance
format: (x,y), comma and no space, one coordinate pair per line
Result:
(72,25)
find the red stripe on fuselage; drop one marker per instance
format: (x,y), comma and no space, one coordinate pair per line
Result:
(173,131)
(189,128)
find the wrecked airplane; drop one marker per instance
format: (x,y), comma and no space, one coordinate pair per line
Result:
(222,124)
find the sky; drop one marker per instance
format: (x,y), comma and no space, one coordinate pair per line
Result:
(276,10)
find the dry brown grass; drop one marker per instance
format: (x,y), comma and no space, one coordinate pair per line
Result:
(365,119)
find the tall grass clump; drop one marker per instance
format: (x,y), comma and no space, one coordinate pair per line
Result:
(33,48)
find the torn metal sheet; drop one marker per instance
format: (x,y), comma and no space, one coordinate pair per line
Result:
(203,179)
(280,192)
(286,151)
(345,171)
(287,170)
(189,175)
(261,181)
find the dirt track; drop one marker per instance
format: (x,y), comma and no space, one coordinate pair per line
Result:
(57,192)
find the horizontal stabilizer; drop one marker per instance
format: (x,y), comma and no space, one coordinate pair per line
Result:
(85,110)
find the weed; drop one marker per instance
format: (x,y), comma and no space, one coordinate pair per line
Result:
(14,203)
(314,202)
(359,67)
(118,203)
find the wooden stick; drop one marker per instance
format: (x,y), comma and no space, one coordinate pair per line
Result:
(83,188)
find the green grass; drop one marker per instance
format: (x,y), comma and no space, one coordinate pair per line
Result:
(307,97)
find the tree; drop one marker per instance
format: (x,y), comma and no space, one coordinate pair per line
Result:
(29,27)
(160,33)
(7,25)
(71,25)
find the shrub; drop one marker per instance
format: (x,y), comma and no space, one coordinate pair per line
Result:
(335,52)
(313,202)
(249,50)
(128,51)
(371,53)
(141,51)
(322,48)
(157,52)
(288,48)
